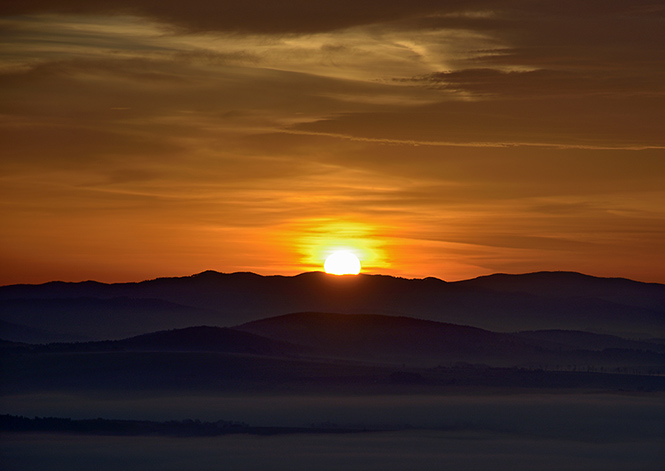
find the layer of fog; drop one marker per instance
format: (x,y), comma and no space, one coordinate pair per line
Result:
(588,417)
(385,451)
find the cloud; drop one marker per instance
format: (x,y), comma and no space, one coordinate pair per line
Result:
(589,121)
(251,16)
(489,83)
(472,135)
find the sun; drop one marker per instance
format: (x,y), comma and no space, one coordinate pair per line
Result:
(342,263)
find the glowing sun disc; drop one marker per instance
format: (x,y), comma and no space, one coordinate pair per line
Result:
(342,263)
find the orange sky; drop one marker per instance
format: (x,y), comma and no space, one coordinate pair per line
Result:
(451,139)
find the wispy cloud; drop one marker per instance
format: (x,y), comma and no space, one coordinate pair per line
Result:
(467,137)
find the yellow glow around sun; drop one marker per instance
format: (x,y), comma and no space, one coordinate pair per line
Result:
(342,263)
(318,239)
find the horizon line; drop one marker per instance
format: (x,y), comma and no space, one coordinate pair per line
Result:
(347,276)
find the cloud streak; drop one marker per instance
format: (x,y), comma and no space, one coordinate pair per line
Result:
(471,136)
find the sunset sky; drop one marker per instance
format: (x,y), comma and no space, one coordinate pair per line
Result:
(145,138)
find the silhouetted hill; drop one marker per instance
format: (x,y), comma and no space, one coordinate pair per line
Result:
(379,339)
(328,352)
(501,303)
(20,333)
(576,285)
(63,319)
(403,340)
(190,339)
(388,338)
(211,339)
(576,340)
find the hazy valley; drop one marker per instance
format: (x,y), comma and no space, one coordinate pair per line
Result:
(576,358)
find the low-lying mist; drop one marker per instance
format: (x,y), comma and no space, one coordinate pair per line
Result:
(589,417)
(384,451)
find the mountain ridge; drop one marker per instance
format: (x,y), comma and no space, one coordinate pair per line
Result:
(372,340)
(502,303)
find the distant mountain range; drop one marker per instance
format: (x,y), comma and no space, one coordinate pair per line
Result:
(321,352)
(564,301)
(404,340)
(352,340)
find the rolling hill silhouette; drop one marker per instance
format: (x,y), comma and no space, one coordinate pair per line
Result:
(576,340)
(41,320)
(501,303)
(388,338)
(323,352)
(403,340)
(211,339)
(189,339)
(576,285)
(384,340)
